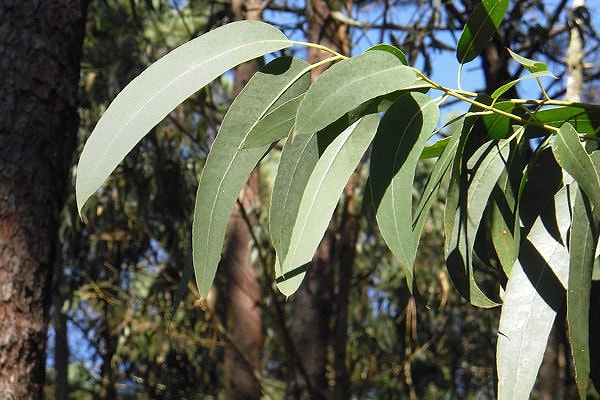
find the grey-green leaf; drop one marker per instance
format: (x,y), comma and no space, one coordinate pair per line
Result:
(571,155)
(228,166)
(298,160)
(147,99)
(276,125)
(400,140)
(320,197)
(349,83)
(534,293)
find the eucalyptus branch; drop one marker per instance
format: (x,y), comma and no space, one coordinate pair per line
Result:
(467,97)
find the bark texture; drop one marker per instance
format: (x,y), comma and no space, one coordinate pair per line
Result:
(40,48)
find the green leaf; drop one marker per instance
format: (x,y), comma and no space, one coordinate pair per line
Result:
(583,119)
(573,158)
(502,89)
(583,240)
(504,219)
(474,181)
(228,166)
(347,84)
(390,49)
(320,197)
(276,125)
(298,158)
(479,29)
(435,179)
(435,149)
(401,137)
(495,125)
(531,65)
(147,99)
(534,293)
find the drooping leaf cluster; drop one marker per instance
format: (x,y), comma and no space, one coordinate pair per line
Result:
(522,192)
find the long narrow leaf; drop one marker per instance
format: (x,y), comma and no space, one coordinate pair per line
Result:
(228,166)
(400,140)
(583,243)
(321,196)
(534,293)
(298,159)
(478,178)
(147,99)
(571,155)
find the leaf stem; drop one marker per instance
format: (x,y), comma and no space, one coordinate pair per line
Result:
(467,97)
(319,47)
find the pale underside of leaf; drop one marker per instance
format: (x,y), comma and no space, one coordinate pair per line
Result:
(147,99)
(321,196)
(228,166)
(534,293)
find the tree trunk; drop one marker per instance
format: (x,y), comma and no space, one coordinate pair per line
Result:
(40,49)
(243,292)
(61,344)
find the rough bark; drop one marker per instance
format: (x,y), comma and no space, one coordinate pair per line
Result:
(40,47)
(243,292)
(61,345)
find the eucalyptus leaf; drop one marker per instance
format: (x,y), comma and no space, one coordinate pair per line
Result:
(401,137)
(534,293)
(276,125)
(321,196)
(531,65)
(348,84)
(572,157)
(535,75)
(474,184)
(228,165)
(583,240)
(481,25)
(148,98)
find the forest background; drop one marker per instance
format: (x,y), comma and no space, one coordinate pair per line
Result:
(353,330)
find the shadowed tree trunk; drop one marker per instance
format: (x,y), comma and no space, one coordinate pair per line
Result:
(40,47)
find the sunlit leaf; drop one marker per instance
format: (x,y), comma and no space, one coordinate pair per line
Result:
(584,120)
(228,166)
(504,88)
(481,25)
(320,197)
(390,49)
(349,83)
(570,154)
(401,137)
(534,293)
(276,125)
(298,159)
(147,99)
(531,65)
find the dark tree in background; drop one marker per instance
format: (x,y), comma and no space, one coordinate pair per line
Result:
(40,46)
